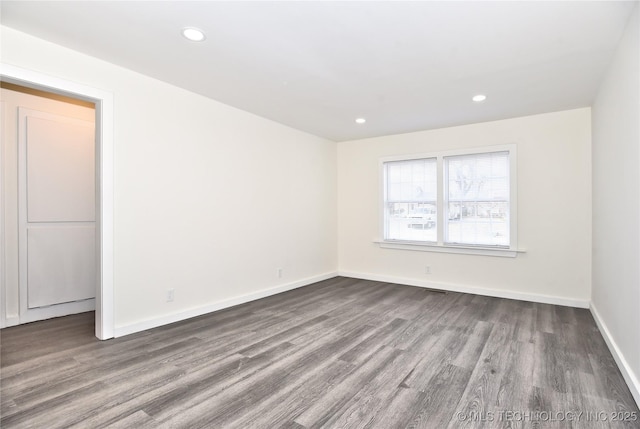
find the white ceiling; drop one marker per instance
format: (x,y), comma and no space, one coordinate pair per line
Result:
(316,65)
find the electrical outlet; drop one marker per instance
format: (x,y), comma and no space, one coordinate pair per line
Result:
(170,293)
(279,273)
(427,269)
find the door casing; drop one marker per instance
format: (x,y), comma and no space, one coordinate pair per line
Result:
(103,100)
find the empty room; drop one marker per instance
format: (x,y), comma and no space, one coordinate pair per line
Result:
(319,214)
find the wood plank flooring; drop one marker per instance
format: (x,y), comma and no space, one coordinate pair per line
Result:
(343,353)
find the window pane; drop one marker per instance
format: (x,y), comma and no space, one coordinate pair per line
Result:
(411,221)
(410,206)
(478,177)
(478,223)
(477,209)
(413,180)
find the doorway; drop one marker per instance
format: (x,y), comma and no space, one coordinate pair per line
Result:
(50,198)
(103,101)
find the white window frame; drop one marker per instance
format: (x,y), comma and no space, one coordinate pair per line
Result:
(440,246)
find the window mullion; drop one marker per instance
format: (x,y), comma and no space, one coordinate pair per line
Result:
(441,200)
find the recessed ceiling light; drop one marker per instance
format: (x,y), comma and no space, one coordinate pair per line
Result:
(361,121)
(479,98)
(193,34)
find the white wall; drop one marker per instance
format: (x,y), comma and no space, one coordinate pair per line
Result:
(554,210)
(616,205)
(209,200)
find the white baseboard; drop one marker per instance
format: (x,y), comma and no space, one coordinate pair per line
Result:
(219,305)
(9,321)
(497,293)
(632,381)
(44,313)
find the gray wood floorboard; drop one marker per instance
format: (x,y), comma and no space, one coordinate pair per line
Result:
(295,398)
(342,353)
(138,420)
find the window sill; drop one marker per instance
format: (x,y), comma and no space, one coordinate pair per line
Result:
(466,250)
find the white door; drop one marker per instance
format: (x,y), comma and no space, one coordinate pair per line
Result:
(57,214)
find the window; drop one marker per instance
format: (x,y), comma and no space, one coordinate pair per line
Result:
(461,199)
(410,204)
(477,199)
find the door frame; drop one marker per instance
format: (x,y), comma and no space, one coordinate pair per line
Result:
(104,152)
